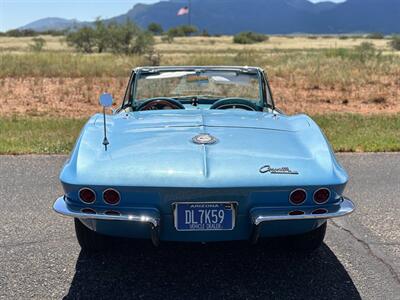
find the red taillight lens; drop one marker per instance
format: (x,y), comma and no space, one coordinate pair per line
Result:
(87,195)
(319,211)
(88,211)
(298,197)
(111,196)
(112,213)
(296,213)
(321,196)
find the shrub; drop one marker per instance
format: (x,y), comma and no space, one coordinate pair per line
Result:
(343,37)
(54,32)
(375,36)
(167,38)
(366,47)
(21,33)
(155,28)
(395,43)
(152,58)
(362,53)
(184,30)
(249,38)
(205,33)
(38,44)
(366,51)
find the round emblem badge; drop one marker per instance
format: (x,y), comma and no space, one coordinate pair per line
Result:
(204,139)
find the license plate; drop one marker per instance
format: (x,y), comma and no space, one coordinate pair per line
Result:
(204,216)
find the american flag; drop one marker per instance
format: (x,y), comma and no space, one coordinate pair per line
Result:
(183,11)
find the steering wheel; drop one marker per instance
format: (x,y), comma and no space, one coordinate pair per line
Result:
(235,103)
(159,104)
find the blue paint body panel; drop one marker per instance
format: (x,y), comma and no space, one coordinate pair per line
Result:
(152,161)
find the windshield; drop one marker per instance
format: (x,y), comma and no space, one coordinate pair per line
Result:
(210,84)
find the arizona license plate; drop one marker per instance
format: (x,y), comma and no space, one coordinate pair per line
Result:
(204,216)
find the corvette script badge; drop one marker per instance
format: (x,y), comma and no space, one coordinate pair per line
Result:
(282,170)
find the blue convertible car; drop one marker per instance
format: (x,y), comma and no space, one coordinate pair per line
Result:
(201,154)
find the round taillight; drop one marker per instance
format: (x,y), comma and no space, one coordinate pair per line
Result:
(321,196)
(298,197)
(87,195)
(111,196)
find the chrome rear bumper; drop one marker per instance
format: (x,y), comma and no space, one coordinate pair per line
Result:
(260,215)
(342,208)
(149,216)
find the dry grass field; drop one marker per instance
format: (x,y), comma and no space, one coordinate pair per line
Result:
(314,75)
(213,44)
(353,94)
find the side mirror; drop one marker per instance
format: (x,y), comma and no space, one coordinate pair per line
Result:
(106,100)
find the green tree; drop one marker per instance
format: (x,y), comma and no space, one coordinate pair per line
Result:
(129,39)
(143,42)
(122,37)
(155,28)
(83,40)
(102,36)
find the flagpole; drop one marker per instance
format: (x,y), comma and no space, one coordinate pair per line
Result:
(190,12)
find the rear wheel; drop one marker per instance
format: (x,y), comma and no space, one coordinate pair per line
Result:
(309,241)
(89,240)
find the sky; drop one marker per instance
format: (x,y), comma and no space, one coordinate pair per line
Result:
(16,13)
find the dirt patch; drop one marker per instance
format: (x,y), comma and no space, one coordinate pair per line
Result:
(78,97)
(376,97)
(68,97)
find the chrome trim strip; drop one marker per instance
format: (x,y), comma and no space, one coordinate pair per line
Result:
(86,188)
(61,207)
(305,199)
(111,189)
(323,188)
(346,208)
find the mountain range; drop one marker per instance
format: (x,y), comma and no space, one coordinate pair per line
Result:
(263,16)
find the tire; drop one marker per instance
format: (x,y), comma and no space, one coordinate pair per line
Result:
(89,240)
(308,242)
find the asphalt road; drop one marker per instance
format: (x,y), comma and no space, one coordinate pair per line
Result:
(40,258)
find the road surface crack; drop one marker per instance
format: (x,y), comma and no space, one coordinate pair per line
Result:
(367,246)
